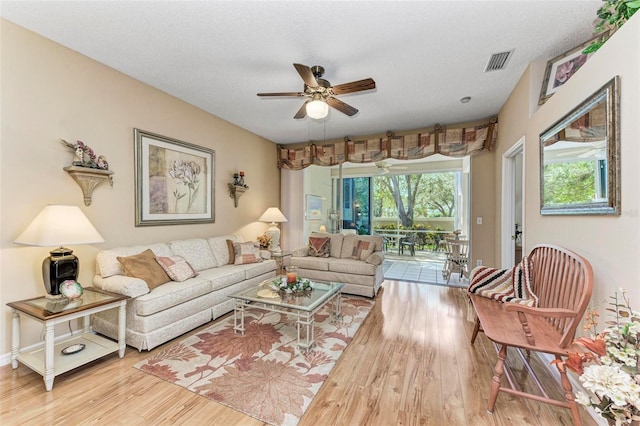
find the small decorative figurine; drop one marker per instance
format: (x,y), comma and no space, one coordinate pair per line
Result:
(85,157)
(102,163)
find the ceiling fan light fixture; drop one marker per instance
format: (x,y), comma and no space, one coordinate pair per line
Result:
(317,109)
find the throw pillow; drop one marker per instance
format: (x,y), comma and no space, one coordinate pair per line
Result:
(145,267)
(176,267)
(319,246)
(232,252)
(362,249)
(246,253)
(375,259)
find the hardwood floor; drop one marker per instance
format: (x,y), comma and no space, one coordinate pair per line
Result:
(410,364)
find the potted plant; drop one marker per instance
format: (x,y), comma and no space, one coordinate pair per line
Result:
(609,368)
(611,16)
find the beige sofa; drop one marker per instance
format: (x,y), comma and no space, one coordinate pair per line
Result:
(169,310)
(359,270)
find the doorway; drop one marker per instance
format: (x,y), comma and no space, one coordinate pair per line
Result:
(512,230)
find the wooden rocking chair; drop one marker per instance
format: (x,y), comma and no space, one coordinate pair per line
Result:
(563,282)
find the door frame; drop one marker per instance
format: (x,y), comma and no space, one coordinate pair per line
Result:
(508,222)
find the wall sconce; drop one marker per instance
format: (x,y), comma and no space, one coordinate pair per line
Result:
(237,188)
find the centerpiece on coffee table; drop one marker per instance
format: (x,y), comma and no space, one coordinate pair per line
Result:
(300,285)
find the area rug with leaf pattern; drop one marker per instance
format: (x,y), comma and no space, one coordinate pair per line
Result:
(262,373)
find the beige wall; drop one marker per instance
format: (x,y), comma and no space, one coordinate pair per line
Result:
(611,243)
(50,92)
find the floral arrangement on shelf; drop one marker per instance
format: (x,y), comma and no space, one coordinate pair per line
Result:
(300,285)
(612,374)
(85,157)
(264,240)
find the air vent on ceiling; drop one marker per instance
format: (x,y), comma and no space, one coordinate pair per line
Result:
(498,61)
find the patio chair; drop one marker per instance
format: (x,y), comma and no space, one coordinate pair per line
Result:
(457,259)
(410,242)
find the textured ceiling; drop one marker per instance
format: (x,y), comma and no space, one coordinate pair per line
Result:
(216,55)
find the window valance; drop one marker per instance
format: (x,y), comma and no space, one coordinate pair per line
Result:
(452,142)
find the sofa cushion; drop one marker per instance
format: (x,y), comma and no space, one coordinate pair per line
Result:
(176,267)
(256,269)
(107,261)
(224,276)
(375,239)
(144,266)
(246,253)
(336,242)
(220,248)
(196,251)
(171,294)
(317,263)
(375,258)
(348,244)
(319,246)
(351,266)
(362,249)
(232,253)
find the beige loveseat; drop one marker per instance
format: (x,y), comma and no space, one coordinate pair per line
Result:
(158,315)
(348,262)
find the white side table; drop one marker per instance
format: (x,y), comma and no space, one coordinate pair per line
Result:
(50,361)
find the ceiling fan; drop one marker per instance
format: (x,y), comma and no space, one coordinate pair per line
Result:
(321,94)
(384,167)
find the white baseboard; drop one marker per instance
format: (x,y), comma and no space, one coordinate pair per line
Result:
(5,359)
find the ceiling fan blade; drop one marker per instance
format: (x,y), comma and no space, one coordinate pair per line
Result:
(307,75)
(354,86)
(296,94)
(341,106)
(302,112)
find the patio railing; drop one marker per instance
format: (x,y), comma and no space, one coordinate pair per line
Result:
(426,240)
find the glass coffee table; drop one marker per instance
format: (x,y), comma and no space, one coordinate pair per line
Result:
(301,306)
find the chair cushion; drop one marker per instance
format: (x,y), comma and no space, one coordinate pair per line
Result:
(145,267)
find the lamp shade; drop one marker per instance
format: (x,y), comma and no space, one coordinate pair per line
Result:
(58,225)
(317,109)
(272,215)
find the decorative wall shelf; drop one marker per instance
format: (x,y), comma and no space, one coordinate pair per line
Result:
(89,179)
(235,192)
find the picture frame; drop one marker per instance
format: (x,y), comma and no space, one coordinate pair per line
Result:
(174,181)
(561,68)
(314,207)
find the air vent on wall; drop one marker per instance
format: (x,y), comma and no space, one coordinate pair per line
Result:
(498,61)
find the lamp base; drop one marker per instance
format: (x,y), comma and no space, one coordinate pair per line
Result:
(274,232)
(62,265)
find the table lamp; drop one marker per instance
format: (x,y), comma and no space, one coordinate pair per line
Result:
(58,225)
(273,215)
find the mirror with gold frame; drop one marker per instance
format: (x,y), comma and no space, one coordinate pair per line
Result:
(580,158)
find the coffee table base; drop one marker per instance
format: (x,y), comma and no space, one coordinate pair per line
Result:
(304,319)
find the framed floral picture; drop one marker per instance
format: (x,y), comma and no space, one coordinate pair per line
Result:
(174,181)
(561,68)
